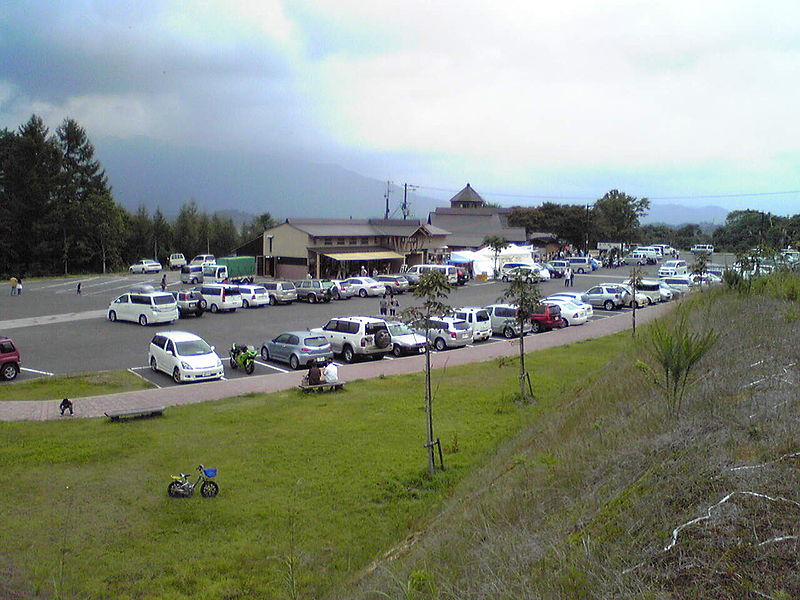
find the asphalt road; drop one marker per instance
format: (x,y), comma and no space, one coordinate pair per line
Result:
(60,332)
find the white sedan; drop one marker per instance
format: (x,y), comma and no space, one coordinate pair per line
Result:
(145,266)
(366,286)
(571,313)
(576,298)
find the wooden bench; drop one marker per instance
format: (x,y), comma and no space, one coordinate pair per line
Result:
(321,387)
(154,411)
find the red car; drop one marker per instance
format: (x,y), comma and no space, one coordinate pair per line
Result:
(9,359)
(546,317)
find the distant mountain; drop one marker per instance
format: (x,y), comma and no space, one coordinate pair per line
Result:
(678,214)
(243,185)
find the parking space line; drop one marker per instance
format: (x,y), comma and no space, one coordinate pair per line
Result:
(263,364)
(70,283)
(142,377)
(223,378)
(29,370)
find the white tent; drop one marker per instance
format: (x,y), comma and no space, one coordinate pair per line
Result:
(484,262)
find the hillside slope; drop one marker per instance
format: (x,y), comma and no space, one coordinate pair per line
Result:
(611,496)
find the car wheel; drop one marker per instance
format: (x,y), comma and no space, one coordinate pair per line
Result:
(112,316)
(200,311)
(397,350)
(142,320)
(608,305)
(214,308)
(348,355)
(193,281)
(9,371)
(439,344)
(176,375)
(312,299)
(264,353)
(536,327)
(153,364)
(634,304)
(508,333)
(564,322)
(649,301)
(294,362)
(362,292)
(203,304)
(245,304)
(336,294)
(581,271)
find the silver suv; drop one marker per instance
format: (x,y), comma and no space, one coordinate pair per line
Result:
(357,336)
(504,320)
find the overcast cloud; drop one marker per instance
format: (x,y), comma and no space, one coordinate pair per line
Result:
(563,99)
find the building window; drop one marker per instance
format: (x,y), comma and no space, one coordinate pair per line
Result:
(327,241)
(365,241)
(353,241)
(340,241)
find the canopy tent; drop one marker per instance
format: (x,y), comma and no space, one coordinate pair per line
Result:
(350,256)
(461,257)
(484,258)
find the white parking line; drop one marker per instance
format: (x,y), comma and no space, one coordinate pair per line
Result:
(263,364)
(387,357)
(48,373)
(70,283)
(145,378)
(223,378)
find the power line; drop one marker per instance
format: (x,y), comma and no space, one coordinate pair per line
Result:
(585,198)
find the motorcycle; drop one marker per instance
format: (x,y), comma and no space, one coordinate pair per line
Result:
(244,357)
(183,487)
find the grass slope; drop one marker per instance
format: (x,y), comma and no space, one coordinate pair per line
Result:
(584,502)
(312,487)
(73,386)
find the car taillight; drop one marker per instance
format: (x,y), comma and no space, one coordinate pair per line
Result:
(363,342)
(453,334)
(223,295)
(305,349)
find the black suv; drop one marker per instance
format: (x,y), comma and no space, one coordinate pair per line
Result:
(314,290)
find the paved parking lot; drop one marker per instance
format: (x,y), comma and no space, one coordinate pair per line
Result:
(61,332)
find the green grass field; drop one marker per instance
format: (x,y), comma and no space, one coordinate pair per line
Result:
(313,488)
(73,386)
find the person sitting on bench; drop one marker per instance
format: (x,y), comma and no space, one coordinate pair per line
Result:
(331,372)
(314,374)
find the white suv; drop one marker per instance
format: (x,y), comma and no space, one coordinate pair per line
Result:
(221,296)
(184,356)
(144,307)
(477,318)
(672,268)
(357,336)
(446,332)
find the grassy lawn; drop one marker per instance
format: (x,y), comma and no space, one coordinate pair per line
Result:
(312,488)
(73,386)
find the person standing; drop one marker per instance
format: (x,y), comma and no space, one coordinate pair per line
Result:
(393,306)
(363,271)
(567,276)
(19,286)
(571,278)
(384,304)
(13,281)
(163,282)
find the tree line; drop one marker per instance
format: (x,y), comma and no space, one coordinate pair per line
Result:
(60,216)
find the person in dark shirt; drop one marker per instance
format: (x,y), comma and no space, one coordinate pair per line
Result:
(314,373)
(66,405)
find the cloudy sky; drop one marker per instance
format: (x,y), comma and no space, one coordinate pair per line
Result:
(525,99)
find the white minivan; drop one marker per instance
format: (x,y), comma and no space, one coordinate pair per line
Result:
(215,273)
(477,318)
(221,296)
(144,308)
(449,271)
(673,267)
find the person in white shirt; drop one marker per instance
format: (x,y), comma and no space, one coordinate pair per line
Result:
(330,372)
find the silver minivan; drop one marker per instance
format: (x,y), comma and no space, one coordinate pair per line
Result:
(281,292)
(503,318)
(192,274)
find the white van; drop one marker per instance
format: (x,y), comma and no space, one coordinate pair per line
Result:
(176,261)
(203,259)
(580,264)
(650,288)
(215,273)
(650,252)
(449,271)
(220,296)
(144,308)
(192,274)
(673,267)
(702,249)
(478,318)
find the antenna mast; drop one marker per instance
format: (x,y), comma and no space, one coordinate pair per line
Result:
(386,197)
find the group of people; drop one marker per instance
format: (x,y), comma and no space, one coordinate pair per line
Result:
(389,305)
(328,374)
(16,286)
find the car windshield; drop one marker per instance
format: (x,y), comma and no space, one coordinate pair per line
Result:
(193,348)
(460,325)
(315,341)
(400,329)
(369,280)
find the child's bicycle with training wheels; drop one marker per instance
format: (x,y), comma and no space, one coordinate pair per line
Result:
(183,487)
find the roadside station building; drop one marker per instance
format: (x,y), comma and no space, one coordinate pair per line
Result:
(337,248)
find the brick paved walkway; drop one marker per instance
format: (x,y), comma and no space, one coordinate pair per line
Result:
(97,406)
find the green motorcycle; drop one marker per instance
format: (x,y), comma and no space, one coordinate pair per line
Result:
(244,357)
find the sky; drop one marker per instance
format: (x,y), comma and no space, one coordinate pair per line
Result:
(694,102)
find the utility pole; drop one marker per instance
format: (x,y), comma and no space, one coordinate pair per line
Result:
(406,210)
(386,197)
(586,249)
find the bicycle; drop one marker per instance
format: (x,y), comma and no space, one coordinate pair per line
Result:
(183,487)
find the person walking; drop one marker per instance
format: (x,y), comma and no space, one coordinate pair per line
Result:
(384,304)
(393,306)
(13,281)
(78,289)
(163,282)
(571,278)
